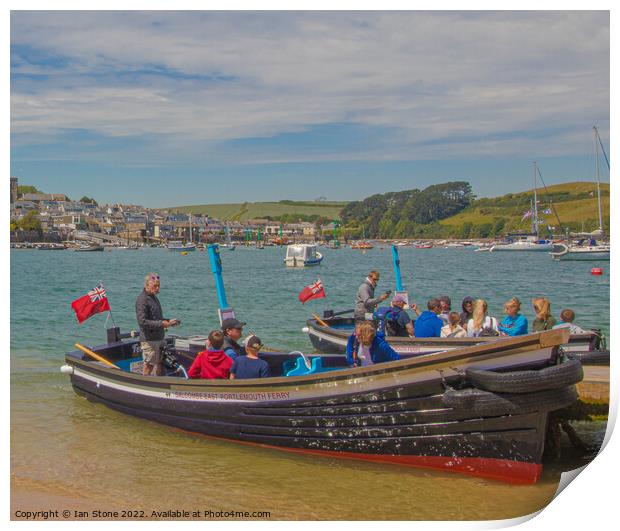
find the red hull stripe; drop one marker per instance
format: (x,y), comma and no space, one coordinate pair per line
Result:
(505,470)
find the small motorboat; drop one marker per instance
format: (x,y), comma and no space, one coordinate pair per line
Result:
(362,245)
(302,255)
(89,248)
(462,410)
(178,245)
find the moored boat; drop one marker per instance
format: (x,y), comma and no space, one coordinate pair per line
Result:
(523,242)
(89,248)
(178,245)
(302,255)
(332,333)
(435,411)
(581,251)
(362,245)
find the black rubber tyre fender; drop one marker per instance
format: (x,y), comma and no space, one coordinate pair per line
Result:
(486,403)
(593,357)
(554,377)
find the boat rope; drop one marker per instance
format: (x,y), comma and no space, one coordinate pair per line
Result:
(555,212)
(601,144)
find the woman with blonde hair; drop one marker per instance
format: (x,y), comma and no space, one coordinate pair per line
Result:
(544,320)
(481,324)
(514,324)
(366,346)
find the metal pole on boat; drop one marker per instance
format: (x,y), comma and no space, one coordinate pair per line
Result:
(399,283)
(396,261)
(224,311)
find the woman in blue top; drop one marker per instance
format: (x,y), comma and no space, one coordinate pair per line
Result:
(365,347)
(514,324)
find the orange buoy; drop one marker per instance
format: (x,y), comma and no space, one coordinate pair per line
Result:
(597,271)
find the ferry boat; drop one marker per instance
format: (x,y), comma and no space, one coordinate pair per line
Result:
(302,255)
(456,411)
(331,333)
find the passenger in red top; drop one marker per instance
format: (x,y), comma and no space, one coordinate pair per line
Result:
(213,363)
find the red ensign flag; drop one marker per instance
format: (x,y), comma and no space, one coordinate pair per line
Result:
(313,291)
(96,301)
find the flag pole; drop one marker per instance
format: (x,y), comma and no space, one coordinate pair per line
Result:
(110,310)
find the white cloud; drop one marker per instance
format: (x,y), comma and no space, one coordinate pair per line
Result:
(444,77)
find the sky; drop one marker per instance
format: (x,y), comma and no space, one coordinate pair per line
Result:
(170,108)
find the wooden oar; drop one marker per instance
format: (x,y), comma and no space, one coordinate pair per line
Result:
(320,321)
(96,356)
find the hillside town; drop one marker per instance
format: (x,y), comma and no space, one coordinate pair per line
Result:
(55,219)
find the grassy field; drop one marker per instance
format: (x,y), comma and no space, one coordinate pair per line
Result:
(243,211)
(574,203)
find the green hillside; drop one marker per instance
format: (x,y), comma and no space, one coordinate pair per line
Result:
(575,204)
(243,211)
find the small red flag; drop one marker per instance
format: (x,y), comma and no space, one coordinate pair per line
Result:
(96,301)
(313,291)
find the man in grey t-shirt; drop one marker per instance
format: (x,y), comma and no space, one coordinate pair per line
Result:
(152,325)
(365,301)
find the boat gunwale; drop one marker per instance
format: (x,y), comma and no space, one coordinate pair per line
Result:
(438,360)
(430,341)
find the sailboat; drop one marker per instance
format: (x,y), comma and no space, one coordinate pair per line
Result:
(585,247)
(228,244)
(178,245)
(526,241)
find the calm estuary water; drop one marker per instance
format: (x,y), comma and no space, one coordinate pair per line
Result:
(69,453)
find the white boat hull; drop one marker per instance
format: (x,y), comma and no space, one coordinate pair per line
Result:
(592,253)
(522,246)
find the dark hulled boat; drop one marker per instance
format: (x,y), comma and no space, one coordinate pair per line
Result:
(424,411)
(332,333)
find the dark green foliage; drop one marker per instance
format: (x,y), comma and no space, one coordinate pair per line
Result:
(30,221)
(410,213)
(86,199)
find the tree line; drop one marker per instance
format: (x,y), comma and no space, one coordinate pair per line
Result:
(407,214)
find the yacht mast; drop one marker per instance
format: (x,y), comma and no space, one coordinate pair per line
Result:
(535,210)
(191,240)
(598,181)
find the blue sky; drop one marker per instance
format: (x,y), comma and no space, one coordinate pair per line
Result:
(170,108)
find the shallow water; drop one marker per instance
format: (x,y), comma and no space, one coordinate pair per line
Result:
(64,445)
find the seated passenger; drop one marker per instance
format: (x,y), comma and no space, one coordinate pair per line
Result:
(250,366)
(428,324)
(453,328)
(233,330)
(365,347)
(394,320)
(213,363)
(481,324)
(446,308)
(514,324)
(567,317)
(544,320)
(468,310)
